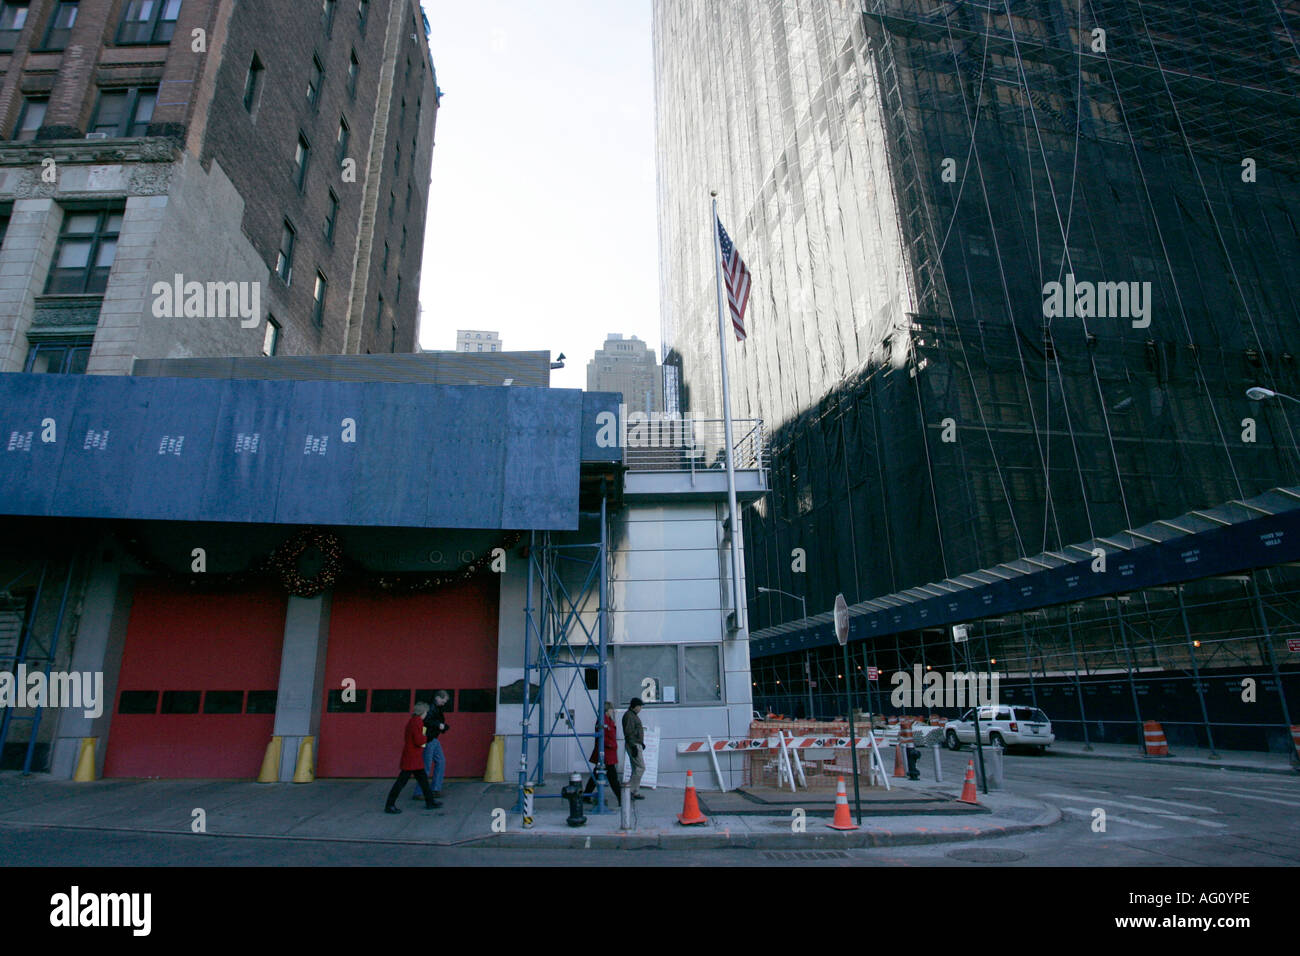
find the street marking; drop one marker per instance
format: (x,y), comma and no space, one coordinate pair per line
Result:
(1174,803)
(1241,796)
(1111,816)
(1132,806)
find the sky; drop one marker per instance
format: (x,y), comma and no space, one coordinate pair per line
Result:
(542,220)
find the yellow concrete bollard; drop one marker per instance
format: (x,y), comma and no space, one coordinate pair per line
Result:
(496,761)
(86,761)
(305,770)
(271,762)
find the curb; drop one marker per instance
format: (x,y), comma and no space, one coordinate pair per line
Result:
(815,838)
(1201,762)
(647,840)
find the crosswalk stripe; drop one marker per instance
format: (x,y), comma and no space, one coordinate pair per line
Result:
(1112,817)
(1241,796)
(1293,792)
(1154,810)
(1174,803)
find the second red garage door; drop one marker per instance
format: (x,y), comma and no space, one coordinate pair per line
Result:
(400,648)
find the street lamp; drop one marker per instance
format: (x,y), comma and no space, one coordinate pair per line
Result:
(1258,394)
(807,655)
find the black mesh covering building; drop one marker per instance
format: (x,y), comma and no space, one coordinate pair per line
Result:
(1015,266)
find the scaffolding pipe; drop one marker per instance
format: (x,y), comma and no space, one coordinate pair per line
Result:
(1196,674)
(1272,658)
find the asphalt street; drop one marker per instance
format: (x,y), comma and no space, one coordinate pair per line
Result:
(1154,815)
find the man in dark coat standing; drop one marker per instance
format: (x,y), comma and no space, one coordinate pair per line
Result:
(634,740)
(412,762)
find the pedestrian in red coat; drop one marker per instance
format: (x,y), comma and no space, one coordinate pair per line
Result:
(612,772)
(413,742)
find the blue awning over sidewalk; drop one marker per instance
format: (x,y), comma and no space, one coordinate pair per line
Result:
(299,452)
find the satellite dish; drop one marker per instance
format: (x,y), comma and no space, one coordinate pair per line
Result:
(841,619)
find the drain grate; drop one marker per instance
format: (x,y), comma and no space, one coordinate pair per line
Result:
(985,855)
(805,855)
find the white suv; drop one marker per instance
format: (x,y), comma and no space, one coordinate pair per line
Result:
(1004,725)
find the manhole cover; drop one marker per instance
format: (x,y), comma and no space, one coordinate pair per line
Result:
(984,855)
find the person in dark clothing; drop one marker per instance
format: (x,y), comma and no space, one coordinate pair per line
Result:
(412,762)
(435,761)
(634,740)
(610,754)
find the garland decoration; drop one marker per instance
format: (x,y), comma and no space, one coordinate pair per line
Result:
(310,562)
(285,562)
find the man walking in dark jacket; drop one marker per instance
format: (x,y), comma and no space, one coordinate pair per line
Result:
(412,762)
(634,741)
(435,761)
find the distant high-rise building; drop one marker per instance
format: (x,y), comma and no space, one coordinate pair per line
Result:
(1014,268)
(477,340)
(172,167)
(630,367)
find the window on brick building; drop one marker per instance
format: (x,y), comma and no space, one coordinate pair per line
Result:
(397,159)
(271,340)
(30,117)
(62,356)
(253,84)
(363,14)
(342,140)
(398,296)
(354,69)
(85,252)
(318,300)
(284,257)
(315,80)
(331,216)
(13,17)
(301,160)
(384,265)
(392,202)
(327,16)
(379,313)
(59,30)
(146,22)
(124,112)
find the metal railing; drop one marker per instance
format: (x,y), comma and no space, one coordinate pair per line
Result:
(693,444)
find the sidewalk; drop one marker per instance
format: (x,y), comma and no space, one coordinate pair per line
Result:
(352,811)
(1245,761)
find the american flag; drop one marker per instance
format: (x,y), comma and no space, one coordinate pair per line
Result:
(737,278)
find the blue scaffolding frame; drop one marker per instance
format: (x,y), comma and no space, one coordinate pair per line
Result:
(559,645)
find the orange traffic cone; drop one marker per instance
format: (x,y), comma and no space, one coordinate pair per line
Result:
(968,788)
(842,819)
(691,806)
(1156,745)
(900,769)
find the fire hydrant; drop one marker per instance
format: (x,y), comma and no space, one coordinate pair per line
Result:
(573,793)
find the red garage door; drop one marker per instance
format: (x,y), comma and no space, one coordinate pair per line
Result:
(196,695)
(400,648)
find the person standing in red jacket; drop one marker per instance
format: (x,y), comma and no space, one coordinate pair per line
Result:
(612,772)
(413,742)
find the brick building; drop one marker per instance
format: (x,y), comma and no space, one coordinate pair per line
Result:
(280,147)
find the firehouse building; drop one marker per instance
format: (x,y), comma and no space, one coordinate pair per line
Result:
(304,558)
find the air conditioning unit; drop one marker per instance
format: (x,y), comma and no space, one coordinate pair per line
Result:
(96,136)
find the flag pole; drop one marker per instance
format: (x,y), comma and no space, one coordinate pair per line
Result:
(733,522)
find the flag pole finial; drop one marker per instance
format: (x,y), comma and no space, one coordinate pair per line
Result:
(713,193)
